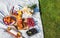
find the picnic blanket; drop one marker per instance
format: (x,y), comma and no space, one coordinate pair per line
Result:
(5,7)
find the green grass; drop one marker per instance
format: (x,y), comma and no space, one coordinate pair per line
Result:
(50,18)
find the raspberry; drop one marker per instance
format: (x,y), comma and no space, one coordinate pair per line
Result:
(30,22)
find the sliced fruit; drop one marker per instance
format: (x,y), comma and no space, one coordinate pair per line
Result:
(9,20)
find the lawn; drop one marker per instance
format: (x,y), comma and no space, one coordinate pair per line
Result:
(50,10)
